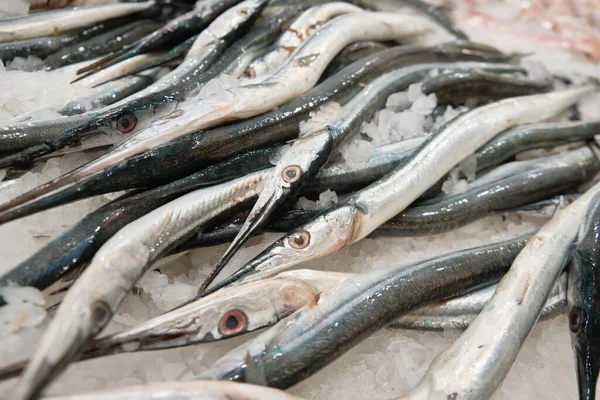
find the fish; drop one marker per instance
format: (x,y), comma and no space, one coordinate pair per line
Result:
(177,30)
(353,52)
(581,297)
(232,22)
(475,365)
(78,244)
(300,73)
(184,391)
(304,26)
(94,297)
(436,13)
(308,154)
(533,136)
(139,63)
(314,336)
(459,312)
(101,44)
(46,45)
(360,214)
(57,21)
(509,186)
(457,87)
(204,148)
(109,93)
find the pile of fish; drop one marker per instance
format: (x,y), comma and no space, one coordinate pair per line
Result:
(203,162)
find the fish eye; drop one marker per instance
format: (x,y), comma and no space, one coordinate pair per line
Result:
(575,319)
(233,322)
(100,313)
(291,174)
(250,73)
(126,123)
(299,240)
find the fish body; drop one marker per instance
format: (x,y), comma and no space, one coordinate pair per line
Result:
(76,246)
(361,213)
(308,154)
(304,26)
(57,21)
(314,336)
(509,186)
(101,44)
(475,365)
(460,312)
(92,300)
(457,87)
(583,295)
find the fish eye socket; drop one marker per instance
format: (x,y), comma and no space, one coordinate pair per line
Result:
(575,319)
(250,73)
(126,123)
(233,322)
(100,313)
(299,240)
(291,174)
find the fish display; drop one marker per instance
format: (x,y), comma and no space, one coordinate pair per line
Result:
(286,132)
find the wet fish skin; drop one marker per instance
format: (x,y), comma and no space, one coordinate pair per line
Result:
(583,295)
(457,87)
(460,312)
(46,45)
(56,21)
(76,246)
(513,185)
(534,136)
(305,342)
(353,53)
(176,31)
(360,214)
(101,44)
(190,153)
(307,154)
(22,135)
(436,13)
(94,298)
(476,363)
(109,93)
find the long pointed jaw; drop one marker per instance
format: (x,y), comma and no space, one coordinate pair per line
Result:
(269,201)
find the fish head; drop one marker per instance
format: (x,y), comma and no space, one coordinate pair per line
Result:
(584,322)
(328,233)
(125,120)
(298,164)
(221,315)
(62,342)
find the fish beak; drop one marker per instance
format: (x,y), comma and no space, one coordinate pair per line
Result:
(260,260)
(270,199)
(587,376)
(53,356)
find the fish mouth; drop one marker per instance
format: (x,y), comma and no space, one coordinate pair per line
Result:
(246,270)
(269,201)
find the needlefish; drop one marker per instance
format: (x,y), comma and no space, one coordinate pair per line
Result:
(357,216)
(295,77)
(94,297)
(188,154)
(583,294)
(477,362)
(307,154)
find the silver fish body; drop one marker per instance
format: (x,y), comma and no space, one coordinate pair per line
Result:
(474,366)
(51,22)
(96,295)
(360,214)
